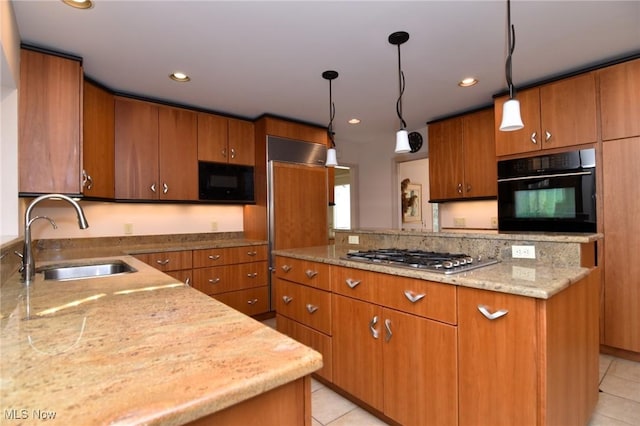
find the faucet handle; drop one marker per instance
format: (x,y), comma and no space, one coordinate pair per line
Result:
(17,253)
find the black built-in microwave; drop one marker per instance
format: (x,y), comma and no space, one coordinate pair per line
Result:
(548,193)
(225,183)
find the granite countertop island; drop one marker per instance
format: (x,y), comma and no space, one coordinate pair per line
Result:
(138,348)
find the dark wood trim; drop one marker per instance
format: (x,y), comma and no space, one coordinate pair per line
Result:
(292,120)
(465,112)
(48,51)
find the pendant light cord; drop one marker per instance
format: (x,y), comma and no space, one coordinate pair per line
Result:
(332,114)
(512,45)
(401,84)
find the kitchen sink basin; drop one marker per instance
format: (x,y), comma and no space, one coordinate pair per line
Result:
(86,270)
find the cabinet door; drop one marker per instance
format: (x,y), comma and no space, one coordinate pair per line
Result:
(178,154)
(167,261)
(357,355)
(212,138)
(527,139)
(251,301)
(241,143)
(446,159)
(420,383)
(568,112)
(49,116)
(480,167)
(498,363)
(98,150)
(621,283)
(620,100)
(136,144)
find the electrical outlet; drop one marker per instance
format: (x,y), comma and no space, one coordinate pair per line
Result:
(522,273)
(494,222)
(128,228)
(354,239)
(523,252)
(459,222)
(214,225)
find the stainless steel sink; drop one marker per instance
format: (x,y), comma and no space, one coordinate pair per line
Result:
(86,270)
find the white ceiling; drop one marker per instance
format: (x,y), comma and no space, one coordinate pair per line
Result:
(247,58)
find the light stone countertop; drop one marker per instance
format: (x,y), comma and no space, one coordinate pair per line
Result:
(522,277)
(133,349)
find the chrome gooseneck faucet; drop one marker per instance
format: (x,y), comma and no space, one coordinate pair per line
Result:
(28,262)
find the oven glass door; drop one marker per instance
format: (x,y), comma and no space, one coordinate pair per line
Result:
(558,202)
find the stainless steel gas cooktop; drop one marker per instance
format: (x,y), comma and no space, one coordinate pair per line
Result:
(444,263)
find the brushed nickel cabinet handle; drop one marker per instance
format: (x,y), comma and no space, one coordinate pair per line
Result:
(468,187)
(352,283)
(459,188)
(162,262)
(287,299)
(372,327)
(534,135)
(310,274)
(286,268)
(311,308)
(214,256)
(413,297)
(187,282)
(387,327)
(252,253)
(165,188)
(233,153)
(214,280)
(153,187)
(547,136)
(492,316)
(252,275)
(224,152)
(252,301)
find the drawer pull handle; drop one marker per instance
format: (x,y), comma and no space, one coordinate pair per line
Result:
(252,301)
(252,275)
(214,280)
(214,256)
(413,298)
(162,262)
(547,136)
(187,282)
(372,327)
(352,283)
(311,308)
(534,135)
(492,316)
(387,327)
(252,253)
(287,299)
(286,268)
(310,274)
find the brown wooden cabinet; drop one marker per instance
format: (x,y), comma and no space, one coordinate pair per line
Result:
(555,115)
(98,156)
(236,276)
(620,100)
(178,264)
(156,151)
(401,364)
(49,124)
(303,305)
(462,161)
(621,230)
(225,140)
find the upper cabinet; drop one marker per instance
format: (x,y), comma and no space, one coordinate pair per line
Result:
(462,157)
(49,124)
(98,142)
(155,152)
(620,100)
(558,114)
(225,140)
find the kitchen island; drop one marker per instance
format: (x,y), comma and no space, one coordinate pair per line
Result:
(143,348)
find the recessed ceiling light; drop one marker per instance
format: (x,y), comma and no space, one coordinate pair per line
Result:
(79,4)
(467,82)
(354,121)
(179,76)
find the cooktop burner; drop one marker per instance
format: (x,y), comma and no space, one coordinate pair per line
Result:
(445,263)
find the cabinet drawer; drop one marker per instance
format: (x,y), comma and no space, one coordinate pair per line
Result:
(228,255)
(313,274)
(220,279)
(307,336)
(168,260)
(363,285)
(306,305)
(252,301)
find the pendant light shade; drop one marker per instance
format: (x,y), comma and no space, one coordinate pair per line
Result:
(332,160)
(402,136)
(511,119)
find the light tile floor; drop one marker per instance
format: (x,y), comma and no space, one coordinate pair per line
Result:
(618,404)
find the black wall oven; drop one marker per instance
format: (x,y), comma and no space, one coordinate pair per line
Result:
(548,193)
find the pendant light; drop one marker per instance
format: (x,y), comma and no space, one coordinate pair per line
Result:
(402,136)
(511,119)
(331,152)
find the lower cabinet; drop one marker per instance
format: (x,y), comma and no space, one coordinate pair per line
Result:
(175,263)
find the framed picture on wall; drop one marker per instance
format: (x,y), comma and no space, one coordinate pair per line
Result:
(412,203)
